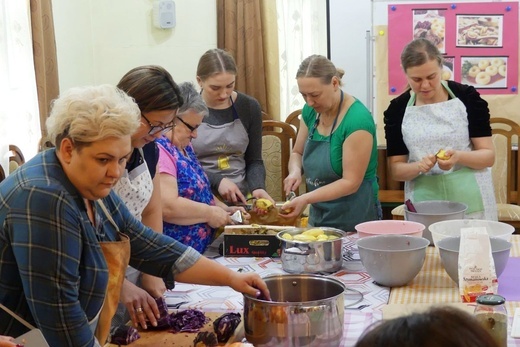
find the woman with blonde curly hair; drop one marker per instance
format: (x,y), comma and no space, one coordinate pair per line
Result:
(65,235)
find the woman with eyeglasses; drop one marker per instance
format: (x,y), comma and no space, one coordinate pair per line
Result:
(190,211)
(229,141)
(158,98)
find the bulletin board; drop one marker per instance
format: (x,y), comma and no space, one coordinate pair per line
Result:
(479,42)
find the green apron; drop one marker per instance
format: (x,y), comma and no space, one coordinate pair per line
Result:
(345,212)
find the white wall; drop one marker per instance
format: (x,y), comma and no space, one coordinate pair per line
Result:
(98,41)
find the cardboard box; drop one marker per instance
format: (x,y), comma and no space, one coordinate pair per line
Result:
(251,241)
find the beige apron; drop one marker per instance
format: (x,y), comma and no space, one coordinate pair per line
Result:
(117,256)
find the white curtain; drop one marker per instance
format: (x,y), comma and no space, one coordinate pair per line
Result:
(302,26)
(19,115)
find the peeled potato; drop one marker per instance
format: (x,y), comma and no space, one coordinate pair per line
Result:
(441,154)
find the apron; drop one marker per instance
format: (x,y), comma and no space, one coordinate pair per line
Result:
(428,128)
(117,256)
(221,149)
(345,212)
(135,188)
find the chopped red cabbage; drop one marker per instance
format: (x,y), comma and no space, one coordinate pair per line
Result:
(225,325)
(123,335)
(205,339)
(187,321)
(164,321)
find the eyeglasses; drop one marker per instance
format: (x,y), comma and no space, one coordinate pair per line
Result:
(154,129)
(189,126)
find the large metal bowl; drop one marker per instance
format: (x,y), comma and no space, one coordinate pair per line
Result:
(306,310)
(312,257)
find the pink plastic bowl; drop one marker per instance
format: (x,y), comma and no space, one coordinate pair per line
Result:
(390,227)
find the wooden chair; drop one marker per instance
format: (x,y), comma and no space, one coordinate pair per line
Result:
(2,173)
(16,158)
(277,141)
(294,119)
(506,176)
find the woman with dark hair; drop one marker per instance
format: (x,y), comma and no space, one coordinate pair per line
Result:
(438,327)
(434,115)
(158,98)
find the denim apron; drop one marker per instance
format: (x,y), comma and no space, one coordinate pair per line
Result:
(428,128)
(345,212)
(221,149)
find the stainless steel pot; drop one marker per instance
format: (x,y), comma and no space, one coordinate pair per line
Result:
(312,257)
(306,310)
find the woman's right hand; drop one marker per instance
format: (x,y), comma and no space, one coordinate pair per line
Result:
(140,305)
(230,192)
(218,217)
(291,183)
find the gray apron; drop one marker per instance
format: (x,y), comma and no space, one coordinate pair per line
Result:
(221,149)
(135,189)
(345,212)
(428,128)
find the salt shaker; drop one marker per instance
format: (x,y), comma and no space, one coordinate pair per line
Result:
(492,314)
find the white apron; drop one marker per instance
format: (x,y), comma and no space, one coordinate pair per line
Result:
(135,189)
(428,128)
(221,150)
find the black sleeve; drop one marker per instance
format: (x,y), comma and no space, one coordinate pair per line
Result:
(151,155)
(393,119)
(476,107)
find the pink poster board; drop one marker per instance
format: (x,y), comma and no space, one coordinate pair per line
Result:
(479,42)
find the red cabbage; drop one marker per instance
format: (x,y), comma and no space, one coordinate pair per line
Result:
(225,325)
(205,339)
(164,321)
(123,335)
(187,321)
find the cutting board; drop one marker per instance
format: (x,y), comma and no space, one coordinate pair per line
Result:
(397,310)
(166,338)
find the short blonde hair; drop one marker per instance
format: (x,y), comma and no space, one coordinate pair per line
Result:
(92,113)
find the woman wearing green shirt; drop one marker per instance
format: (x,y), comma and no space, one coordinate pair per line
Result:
(337,149)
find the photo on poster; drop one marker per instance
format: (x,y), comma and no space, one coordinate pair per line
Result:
(479,31)
(484,72)
(431,25)
(448,68)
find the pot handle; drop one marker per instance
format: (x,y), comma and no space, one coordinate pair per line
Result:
(307,309)
(300,251)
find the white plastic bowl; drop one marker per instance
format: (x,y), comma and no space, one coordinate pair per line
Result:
(449,228)
(389,227)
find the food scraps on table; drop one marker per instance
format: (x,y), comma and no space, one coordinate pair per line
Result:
(225,325)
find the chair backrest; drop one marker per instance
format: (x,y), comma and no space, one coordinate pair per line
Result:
(16,158)
(277,142)
(294,119)
(506,176)
(2,173)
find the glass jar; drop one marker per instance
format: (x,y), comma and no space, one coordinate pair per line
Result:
(492,314)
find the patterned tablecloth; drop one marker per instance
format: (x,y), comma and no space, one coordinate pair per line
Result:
(432,285)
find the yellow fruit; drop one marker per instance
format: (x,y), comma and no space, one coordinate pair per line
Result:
(322,238)
(441,154)
(263,204)
(314,232)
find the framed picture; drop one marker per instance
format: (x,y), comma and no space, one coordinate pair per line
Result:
(431,25)
(484,72)
(448,69)
(479,31)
